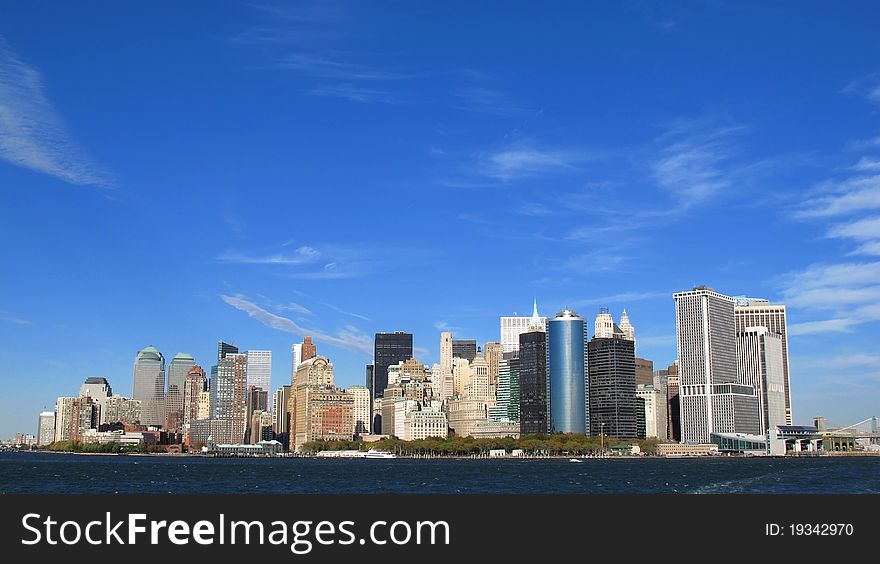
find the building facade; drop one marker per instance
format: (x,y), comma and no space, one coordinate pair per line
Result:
(149,385)
(46,428)
(513,327)
(178,369)
(612,387)
(711,398)
(759,356)
(259,369)
(756,312)
(388,349)
(533,408)
(230,402)
(568,375)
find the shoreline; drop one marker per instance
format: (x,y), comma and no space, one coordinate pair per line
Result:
(475,458)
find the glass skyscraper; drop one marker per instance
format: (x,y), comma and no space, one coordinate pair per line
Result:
(567,367)
(149,385)
(389,348)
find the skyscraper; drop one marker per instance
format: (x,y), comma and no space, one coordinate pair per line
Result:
(46,428)
(711,398)
(644,369)
(567,367)
(231,398)
(493,352)
(445,385)
(99,390)
(362,413)
(259,370)
(533,415)
(178,368)
(464,348)
(628,330)
(388,349)
(513,326)
(758,312)
(759,356)
(223,349)
(149,385)
(309,350)
(296,351)
(612,387)
(257,400)
(280,413)
(193,385)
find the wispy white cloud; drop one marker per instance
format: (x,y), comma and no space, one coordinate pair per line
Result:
(841,325)
(867,87)
(324,67)
(340,310)
(867,164)
(835,198)
(861,230)
(516,163)
(622,298)
(349,337)
(442,325)
(11,318)
(848,291)
(32,134)
(301,255)
(488,101)
(356,93)
(693,162)
(310,12)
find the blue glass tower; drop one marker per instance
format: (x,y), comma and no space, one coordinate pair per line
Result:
(567,367)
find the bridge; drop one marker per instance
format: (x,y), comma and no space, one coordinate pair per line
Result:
(865,429)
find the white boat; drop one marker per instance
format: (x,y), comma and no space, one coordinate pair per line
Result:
(575,460)
(379,454)
(355,454)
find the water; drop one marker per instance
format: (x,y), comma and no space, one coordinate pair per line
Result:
(63,473)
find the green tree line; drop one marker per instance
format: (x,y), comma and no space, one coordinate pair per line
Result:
(557,444)
(112,448)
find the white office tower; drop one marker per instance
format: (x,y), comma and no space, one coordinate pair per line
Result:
(99,390)
(362,415)
(712,400)
(513,327)
(758,312)
(445,384)
(296,356)
(436,382)
(603,327)
(759,364)
(478,387)
(259,369)
(46,429)
(629,332)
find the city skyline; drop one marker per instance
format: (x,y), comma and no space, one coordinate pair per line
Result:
(271,171)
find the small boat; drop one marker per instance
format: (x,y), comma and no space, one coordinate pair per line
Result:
(575,460)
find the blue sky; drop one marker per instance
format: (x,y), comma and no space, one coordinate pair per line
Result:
(174,174)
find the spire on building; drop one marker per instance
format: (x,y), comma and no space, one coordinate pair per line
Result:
(536,319)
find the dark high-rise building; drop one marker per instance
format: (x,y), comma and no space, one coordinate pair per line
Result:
(464,348)
(673,408)
(612,387)
(257,399)
(641,424)
(369,378)
(224,349)
(533,382)
(644,372)
(388,349)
